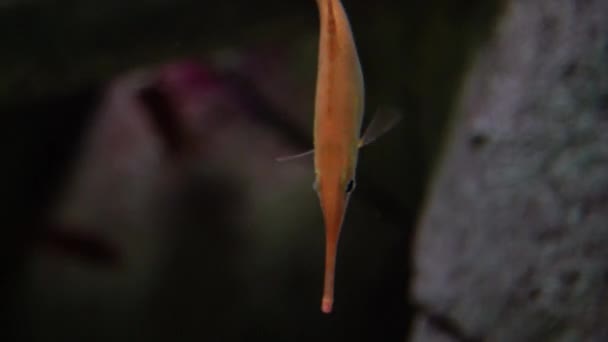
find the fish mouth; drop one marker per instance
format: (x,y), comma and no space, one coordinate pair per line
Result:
(333,204)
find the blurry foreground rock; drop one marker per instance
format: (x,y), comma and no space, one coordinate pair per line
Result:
(150,218)
(513,244)
(169,218)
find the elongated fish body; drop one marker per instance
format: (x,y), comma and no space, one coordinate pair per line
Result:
(339,106)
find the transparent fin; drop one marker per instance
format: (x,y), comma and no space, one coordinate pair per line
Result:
(295,156)
(384,120)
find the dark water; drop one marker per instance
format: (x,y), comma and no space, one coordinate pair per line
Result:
(143,198)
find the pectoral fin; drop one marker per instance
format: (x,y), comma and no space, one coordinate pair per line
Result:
(383,121)
(295,156)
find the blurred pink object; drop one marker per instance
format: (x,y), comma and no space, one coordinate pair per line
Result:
(151,129)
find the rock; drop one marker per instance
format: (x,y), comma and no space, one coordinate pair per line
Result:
(513,242)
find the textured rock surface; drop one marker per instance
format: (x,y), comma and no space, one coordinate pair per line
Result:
(513,243)
(425,330)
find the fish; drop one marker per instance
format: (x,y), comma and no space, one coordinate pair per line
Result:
(339,110)
(338,117)
(339,106)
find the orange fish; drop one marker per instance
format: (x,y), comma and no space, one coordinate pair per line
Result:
(339,107)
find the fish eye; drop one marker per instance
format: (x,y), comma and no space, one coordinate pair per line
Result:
(350,186)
